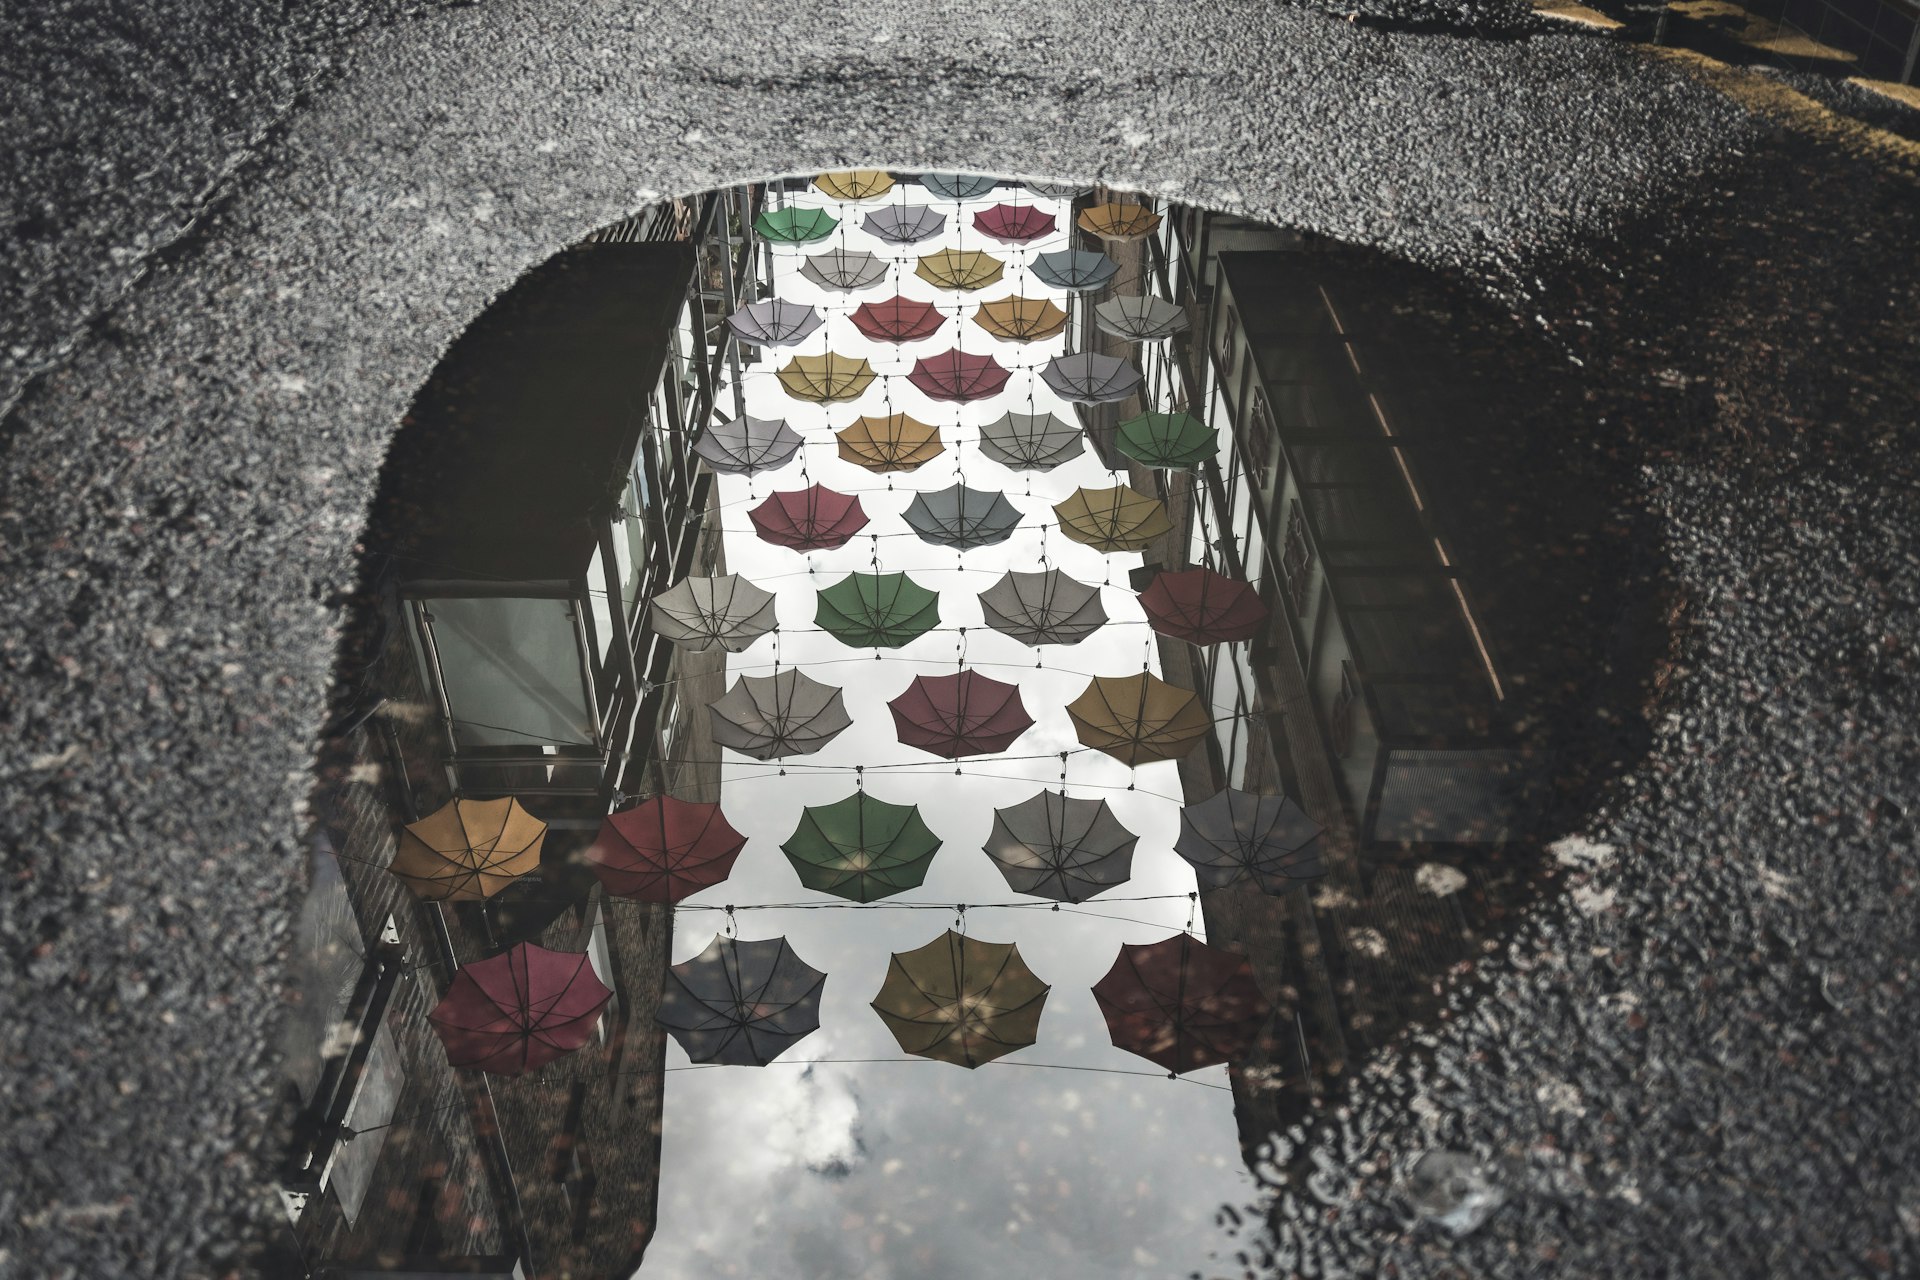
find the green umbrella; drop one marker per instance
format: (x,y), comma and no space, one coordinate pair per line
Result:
(877,610)
(794,225)
(861,848)
(1177,440)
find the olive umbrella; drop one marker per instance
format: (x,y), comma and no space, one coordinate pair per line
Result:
(898,320)
(959,376)
(1138,719)
(1018,319)
(664,849)
(784,714)
(845,270)
(1087,377)
(1203,607)
(811,519)
(1031,441)
(825,379)
(876,610)
(861,848)
(519,1010)
(1053,846)
(904,223)
(1116,519)
(1015,223)
(962,518)
(958,186)
(893,443)
(741,1004)
(1116,221)
(966,269)
(747,445)
(698,614)
(1235,836)
(1046,607)
(793,225)
(467,850)
(857,184)
(1182,1004)
(1077,270)
(1175,440)
(1054,190)
(961,1000)
(961,714)
(1142,318)
(773,323)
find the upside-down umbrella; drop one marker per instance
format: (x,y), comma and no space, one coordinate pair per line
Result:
(1182,1004)
(746,445)
(1046,607)
(1054,190)
(958,186)
(898,320)
(664,849)
(1116,519)
(793,225)
(845,270)
(893,443)
(1142,318)
(861,848)
(1117,221)
(1018,319)
(467,850)
(1138,719)
(1015,223)
(773,323)
(811,519)
(1053,846)
(857,184)
(1176,440)
(784,714)
(959,376)
(1087,377)
(519,1010)
(962,714)
(825,379)
(1078,270)
(741,1004)
(961,1000)
(904,223)
(699,614)
(876,610)
(962,518)
(1236,836)
(960,269)
(1203,607)
(1031,441)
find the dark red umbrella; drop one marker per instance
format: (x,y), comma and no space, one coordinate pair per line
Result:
(898,320)
(1182,1004)
(811,519)
(663,849)
(964,714)
(955,375)
(511,1013)
(1203,607)
(1015,223)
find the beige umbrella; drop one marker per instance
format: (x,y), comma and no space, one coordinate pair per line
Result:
(1116,519)
(1138,719)
(960,269)
(467,850)
(1019,319)
(961,1000)
(893,443)
(1116,221)
(859,184)
(823,379)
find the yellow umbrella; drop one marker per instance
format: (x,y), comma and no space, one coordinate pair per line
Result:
(467,850)
(1138,719)
(892,443)
(1114,221)
(1020,319)
(858,184)
(826,378)
(961,1000)
(1116,519)
(960,269)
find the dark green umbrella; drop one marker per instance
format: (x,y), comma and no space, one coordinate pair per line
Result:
(1177,440)
(795,226)
(877,610)
(861,848)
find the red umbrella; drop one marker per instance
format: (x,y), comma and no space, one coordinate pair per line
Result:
(898,320)
(811,519)
(964,714)
(955,375)
(1014,223)
(520,1010)
(1182,1004)
(663,849)
(1203,607)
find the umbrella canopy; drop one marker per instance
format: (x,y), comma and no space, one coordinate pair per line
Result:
(1055,847)
(1182,1004)
(793,225)
(962,518)
(1076,270)
(741,1004)
(961,1000)
(1116,519)
(904,223)
(898,320)
(857,184)
(1018,319)
(958,375)
(1088,377)
(811,519)
(746,445)
(861,848)
(1015,223)
(1031,441)
(519,1010)
(1043,608)
(773,323)
(893,443)
(664,849)
(1139,319)
(1115,221)
(827,378)
(960,269)
(1054,190)
(1138,719)
(845,270)
(958,186)
(1235,837)
(877,610)
(467,850)
(784,714)
(699,614)
(1203,607)
(1177,440)
(963,714)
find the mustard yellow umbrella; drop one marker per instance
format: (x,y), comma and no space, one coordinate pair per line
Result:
(1115,221)
(467,850)
(893,443)
(856,184)
(1116,519)
(961,1000)
(960,269)
(1018,319)
(823,379)
(1138,719)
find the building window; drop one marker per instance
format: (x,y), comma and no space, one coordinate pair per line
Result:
(1229,332)
(1340,719)
(1259,441)
(1296,559)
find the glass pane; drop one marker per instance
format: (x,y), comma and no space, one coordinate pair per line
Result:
(373,1107)
(511,669)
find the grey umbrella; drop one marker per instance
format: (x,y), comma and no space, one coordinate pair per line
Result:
(784,714)
(1043,608)
(961,517)
(845,270)
(1142,318)
(773,323)
(1237,836)
(1090,378)
(1054,190)
(1054,847)
(705,613)
(741,1004)
(747,445)
(1031,441)
(1075,269)
(958,186)
(904,223)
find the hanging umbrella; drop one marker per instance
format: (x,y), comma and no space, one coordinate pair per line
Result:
(963,714)
(898,320)
(957,375)
(1054,190)
(859,184)
(1236,836)
(1066,849)
(664,849)
(1089,378)
(519,1010)
(1015,223)
(827,378)
(784,714)
(893,443)
(699,614)
(793,225)
(961,1000)
(1139,319)
(1018,319)
(1116,519)
(1182,1004)
(1078,270)
(1138,719)
(958,186)
(741,1004)
(1175,440)
(810,519)
(467,850)
(861,848)
(773,323)
(1115,221)
(1043,608)
(845,270)
(1203,607)
(962,518)
(747,445)
(877,610)
(960,269)
(904,223)
(1031,441)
